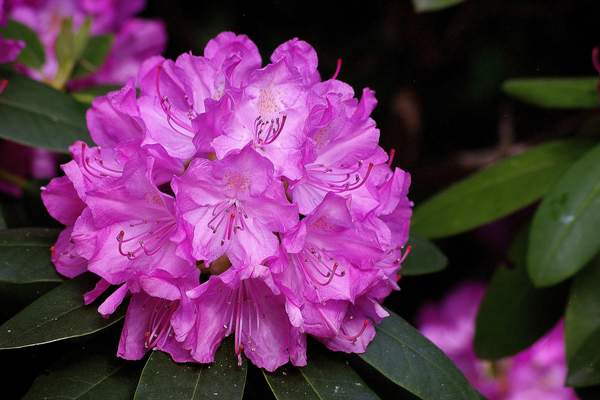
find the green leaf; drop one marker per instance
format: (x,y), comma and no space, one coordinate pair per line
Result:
(326,376)
(514,314)
(582,327)
(63,48)
(433,5)
(564,232)
(163,378)
(555,92)
(59,314)
(89,94)
(88,374)
(94,55)
(496,191)
(33,54)
(81,38)
(25,255)
(411,361)
(424,257)
(37,115)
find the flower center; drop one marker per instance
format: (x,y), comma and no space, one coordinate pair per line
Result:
(229,214)
(148,235)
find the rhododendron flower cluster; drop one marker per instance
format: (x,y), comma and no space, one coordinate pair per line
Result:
(537,372)
(234,199)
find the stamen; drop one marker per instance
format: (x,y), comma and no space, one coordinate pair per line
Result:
(99,169)
(166,105)
(150,240)
(337,70)
(274,128)
(392,153)
(69,255)
(355,337)
(159,326)
(324,178)
(403,256)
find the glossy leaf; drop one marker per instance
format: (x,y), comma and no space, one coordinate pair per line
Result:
(326,376)
(93,56)
(59,314)
(433,5)
(88,374)
(37,115)
(411,361)
(496,191)
(514,314)
(32,54)
(564,233)
(582,327)
(555,92)
(25,255)
(163,378)
(424,257)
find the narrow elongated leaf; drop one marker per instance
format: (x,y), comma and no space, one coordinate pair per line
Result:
(33,54)
(409,360)
(555,92)
(326,376)
(514,314)
(37,115)
(564,233)
(25,255)
(496,191)
(582,327)
(86,374)
(424,257)
(433,5)
(59,314)
(163,378)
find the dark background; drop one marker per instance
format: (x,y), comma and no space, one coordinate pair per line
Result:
(437,77)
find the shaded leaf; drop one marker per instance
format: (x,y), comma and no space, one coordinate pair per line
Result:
(94,55)
(514,314)
(326,376)
(25,255)
(59,314)
(33,54)
(89,94)
(555,92)
(88,374)
(37,115)
(424,257)
(564,233)
(163,378)
(411,361)
(433,5)
(582,327)
(496,191)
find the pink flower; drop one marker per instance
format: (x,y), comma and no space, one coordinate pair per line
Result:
(535,373)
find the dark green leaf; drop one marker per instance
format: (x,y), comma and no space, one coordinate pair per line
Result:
(564,233)
(33,54)
(514,314)
(59,314)
(433,5)
(496,191)
(582,327)
(163,378)
(409,360)
(424,257)
(37,115)
(555,92)
(94,55)
(326,376)
(88,374)
(25,255)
